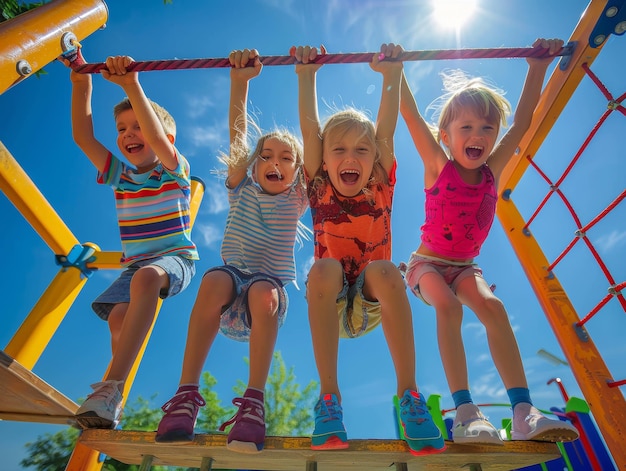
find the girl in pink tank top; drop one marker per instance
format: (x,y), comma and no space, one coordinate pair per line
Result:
(461,192)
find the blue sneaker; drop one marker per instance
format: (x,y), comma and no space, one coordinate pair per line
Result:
(329,433)
(416,425)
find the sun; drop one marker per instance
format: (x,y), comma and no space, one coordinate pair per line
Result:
(453,13)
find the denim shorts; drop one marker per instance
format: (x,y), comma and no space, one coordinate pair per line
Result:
(180,271)
(235,322)
(357,315)
(452,273)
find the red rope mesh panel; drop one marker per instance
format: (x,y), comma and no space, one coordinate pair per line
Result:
(615,289)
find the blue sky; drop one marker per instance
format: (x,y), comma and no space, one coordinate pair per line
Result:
(35,127)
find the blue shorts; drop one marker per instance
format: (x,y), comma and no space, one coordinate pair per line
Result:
(357,315)
(452,273)
(235,321)
(180,271)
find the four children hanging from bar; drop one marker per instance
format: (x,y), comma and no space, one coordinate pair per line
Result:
(349,167)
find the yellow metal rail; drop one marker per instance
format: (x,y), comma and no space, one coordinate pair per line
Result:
(35,38)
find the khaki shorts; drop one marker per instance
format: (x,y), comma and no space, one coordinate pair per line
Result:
(357,316)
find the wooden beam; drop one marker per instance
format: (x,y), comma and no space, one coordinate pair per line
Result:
(294,453)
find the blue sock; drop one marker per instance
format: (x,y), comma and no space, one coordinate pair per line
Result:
(517,395)
(462,396)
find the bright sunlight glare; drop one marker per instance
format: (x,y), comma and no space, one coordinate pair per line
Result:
(453,13)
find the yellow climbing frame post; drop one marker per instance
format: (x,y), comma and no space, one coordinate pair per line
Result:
(29,201)
(33,39)
(607,404)
(33,336)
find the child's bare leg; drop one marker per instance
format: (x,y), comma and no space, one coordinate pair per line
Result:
(103,407)
(216,291)
(263,305)
(115,321)
(383,282)
(476,294)
(145,287)
(248,432)
(528,422)
(449,311)
(324,285)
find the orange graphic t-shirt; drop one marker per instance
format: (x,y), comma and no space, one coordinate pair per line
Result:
(354,231)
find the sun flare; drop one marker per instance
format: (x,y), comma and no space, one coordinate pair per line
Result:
(453,13)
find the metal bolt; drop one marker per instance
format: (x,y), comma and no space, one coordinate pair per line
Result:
(67,41)
(599,39)
(23,68)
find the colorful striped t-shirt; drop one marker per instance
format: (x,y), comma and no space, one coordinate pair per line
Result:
(152,210)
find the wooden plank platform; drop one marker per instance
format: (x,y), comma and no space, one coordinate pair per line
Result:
(26,397)
(293,453)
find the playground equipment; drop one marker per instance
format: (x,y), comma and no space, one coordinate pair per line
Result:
(38,37)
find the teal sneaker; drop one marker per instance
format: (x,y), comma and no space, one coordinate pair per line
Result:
(416,425)
(329,433)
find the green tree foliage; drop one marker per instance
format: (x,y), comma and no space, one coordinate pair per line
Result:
(289,411)
(12,8)
(213,414)
(51,451)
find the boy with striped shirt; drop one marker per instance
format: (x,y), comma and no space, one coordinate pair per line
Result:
(152,201)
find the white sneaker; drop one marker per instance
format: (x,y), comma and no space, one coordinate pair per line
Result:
(471,426)
(103,407)
(530,424)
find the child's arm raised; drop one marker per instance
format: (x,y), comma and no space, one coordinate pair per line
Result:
(387,117)
(240,75)
(82,119)
(161,143)
(307,105)
(428,148)
(526,107)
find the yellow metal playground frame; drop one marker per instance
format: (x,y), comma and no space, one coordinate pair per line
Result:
(33,40)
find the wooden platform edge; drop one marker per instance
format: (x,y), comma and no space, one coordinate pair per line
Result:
(293,453)
(26,397)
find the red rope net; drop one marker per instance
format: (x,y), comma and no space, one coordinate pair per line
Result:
(615,289)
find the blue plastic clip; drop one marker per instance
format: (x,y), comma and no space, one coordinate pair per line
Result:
(78,257)
(568,52)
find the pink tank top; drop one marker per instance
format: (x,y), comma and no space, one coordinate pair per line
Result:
(458,215)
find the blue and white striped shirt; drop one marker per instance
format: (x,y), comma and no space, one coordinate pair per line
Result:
(261,229)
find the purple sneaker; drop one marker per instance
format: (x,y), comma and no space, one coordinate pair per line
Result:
(180,417)
(248,432)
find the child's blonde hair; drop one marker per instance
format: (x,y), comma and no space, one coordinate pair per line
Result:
(339,124)
(166,119)
(241,157)
(464,92)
